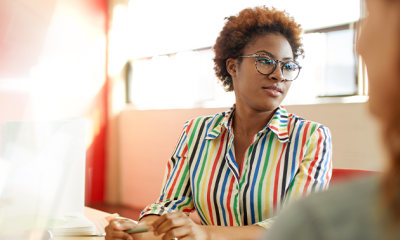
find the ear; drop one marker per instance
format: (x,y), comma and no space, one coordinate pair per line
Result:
(231,66)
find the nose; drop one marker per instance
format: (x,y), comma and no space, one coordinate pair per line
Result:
(277,74)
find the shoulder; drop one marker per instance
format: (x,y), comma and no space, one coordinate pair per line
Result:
(299,121)
(298,125)
(343,212)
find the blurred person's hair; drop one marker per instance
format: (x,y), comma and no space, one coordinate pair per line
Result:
(391,140)
(242,29)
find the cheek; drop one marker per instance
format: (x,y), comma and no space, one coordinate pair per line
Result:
(383,86)
(376,96)
(379,51)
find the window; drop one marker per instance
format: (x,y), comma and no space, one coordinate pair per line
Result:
(182,80)
(164,69)
(330,66)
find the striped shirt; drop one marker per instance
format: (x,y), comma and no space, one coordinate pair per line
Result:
(288,159)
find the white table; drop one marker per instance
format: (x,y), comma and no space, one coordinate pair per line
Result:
(92,215)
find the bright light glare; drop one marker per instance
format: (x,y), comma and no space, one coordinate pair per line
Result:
(166,81)
(186,79)
(118,38)
(161,27)
(313,68)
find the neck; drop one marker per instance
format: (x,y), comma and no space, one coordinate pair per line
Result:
(249,121)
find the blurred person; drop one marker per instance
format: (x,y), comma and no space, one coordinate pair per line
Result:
(238,168)
(368,208)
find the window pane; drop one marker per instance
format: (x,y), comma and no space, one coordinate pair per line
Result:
(329,67)
(340,73)
(187,79)
(182,80)
(163,27)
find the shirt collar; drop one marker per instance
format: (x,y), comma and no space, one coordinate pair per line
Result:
(226,122)
(278,124)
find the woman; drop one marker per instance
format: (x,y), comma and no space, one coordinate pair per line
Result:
(369,208)
(238,168)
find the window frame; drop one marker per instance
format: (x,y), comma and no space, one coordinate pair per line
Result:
(361,79)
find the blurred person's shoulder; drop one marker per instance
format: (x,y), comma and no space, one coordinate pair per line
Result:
(348,211)
(294,121)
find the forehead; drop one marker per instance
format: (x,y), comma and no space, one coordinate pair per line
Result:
(275,44)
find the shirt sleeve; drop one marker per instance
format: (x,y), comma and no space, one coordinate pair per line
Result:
(314,173)
(176,193)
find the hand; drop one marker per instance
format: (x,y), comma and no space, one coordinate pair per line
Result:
(116,227)
(112,216)
(178,225)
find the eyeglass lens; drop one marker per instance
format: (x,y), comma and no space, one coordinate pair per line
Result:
(266,65)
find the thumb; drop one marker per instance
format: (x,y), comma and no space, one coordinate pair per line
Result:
(123,224)
(109,217)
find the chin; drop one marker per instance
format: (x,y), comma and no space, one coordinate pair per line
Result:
(382,102)
(376,109)
(268,107)
(372,109)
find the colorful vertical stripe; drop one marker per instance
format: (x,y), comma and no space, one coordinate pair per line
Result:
(288,159)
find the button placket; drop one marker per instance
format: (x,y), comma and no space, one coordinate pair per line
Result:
(231,162)
(236,188)
(246,158)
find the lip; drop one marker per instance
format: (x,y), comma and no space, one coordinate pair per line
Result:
(274,91)
(275,88)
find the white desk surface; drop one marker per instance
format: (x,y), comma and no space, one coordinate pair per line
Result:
(92,215)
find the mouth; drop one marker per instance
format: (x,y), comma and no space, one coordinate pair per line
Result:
(274,89)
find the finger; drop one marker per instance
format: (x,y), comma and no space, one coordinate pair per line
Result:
(171,223)
(109,232)
(122,224)
(109,217)
(164,218)
(187,237)
(121,235)
(130,238)
(144,223)
(179,232)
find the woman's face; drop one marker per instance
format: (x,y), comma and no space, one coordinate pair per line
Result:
(253,89)
(379,47)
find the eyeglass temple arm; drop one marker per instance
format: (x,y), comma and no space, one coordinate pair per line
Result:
(252,55)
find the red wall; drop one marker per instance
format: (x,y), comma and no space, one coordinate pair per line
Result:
(53,66)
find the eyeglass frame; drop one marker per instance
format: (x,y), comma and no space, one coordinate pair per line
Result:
(276,64)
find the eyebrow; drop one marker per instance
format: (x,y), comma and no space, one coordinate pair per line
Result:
(272,55)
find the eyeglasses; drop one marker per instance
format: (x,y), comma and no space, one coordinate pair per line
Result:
(267,65)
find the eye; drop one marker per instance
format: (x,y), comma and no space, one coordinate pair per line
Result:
(291,66)
(266,61)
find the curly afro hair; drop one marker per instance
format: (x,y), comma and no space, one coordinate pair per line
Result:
(242,29)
